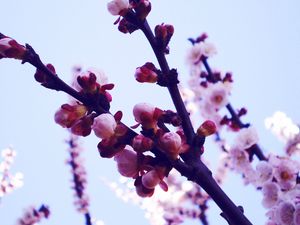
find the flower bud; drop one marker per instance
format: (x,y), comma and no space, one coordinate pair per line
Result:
(151,179)
(9,48)
(146,73)
(118,7)
(163,33)
(127,163)
(104,126)
(67,115)
(171,144)
(141,190)
(82,127)
(144,113)
(142,9)
(207,128)
(140,143)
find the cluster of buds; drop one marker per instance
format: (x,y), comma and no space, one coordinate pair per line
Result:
(78,117)
(8,181)
(33,216)
(79,176)
(132,13)
(9,48)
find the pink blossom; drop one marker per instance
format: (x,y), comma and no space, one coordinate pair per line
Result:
(285,171)
(171,144)
(104,126)
(264,172)
(285,213)
(207,49)
(194,54)
(270,192)
(239,159)
(246,137)
(127,162)
(217,95)
(116,7)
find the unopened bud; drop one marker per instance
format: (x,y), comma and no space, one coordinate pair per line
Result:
(142,9)
(163,33)
(146,73)
(207,128)
(171,144)
(104,126)
(9,48)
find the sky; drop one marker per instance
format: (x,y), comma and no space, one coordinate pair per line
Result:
(258,41)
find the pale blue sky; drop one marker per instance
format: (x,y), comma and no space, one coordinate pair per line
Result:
(258,40)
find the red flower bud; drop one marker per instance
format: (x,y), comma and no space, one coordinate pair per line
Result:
(207,128)
(9,48)
(163,33)
(140,143)
(142,9)
(146,73)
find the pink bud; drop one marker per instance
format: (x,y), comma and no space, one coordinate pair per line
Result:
(171,143)
(151,179)
(104,126)
(117,7)
(67,115)
(140,143)
(141,190)
(127,162)
(144,114)
(9,48)
(146,73)
(207,128)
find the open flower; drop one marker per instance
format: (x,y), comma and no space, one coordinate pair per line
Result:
(246,138)
(217,95)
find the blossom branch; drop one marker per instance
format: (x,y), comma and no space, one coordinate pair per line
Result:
(254,149)
(172,86)
(79,179)
(193,168)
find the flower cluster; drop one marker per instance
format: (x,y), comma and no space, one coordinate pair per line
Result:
(77,116)
(276,176)
(79,176)
(126,9)
(33,216)
(8,181)
(183,200)
(284,129)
